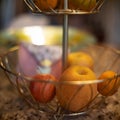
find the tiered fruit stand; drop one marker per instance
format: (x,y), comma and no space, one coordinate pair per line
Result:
(53,109)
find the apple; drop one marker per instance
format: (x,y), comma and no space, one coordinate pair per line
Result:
(56,69)
(81,59)
(74,97)
(85,5)
(43,92)
(110,83)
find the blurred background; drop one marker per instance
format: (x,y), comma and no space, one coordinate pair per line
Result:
(105,26)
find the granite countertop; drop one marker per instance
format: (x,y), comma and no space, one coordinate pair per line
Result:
(13,107)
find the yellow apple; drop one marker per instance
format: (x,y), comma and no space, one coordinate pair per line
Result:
(81,59)
(75,97)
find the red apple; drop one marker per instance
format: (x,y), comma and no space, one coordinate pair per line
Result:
(43,91)
(56,69)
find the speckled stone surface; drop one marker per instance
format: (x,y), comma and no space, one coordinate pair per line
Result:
(13,107)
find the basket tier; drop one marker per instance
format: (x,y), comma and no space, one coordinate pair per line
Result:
(59,7)
(105,59)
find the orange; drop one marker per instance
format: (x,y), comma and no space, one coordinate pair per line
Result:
(110,83)
(75,97)
(46,5)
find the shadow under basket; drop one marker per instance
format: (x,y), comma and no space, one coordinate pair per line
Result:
(105,58)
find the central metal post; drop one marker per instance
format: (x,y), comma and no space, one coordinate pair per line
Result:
(65,36)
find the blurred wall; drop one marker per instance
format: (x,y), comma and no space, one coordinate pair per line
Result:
(9,9)
(104,25)
(111,22)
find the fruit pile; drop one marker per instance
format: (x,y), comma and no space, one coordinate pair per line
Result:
(47,5)
(70,95)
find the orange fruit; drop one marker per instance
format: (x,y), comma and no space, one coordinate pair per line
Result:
(46,5)
(74,97)
(81,59)
(110,83)
(85,5)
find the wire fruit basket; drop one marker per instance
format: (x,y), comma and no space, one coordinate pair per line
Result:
(110,60)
